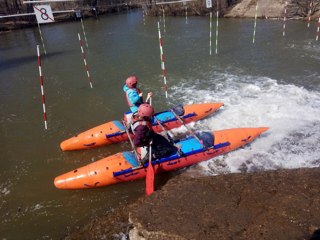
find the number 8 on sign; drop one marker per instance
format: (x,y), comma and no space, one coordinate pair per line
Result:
(43,13)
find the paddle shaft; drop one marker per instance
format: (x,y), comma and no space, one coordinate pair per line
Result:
(150,153)
(183,123)
(133,148)
(169,138)
(148,97)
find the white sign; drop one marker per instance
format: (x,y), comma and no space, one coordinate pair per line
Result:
(43,13)
(209,3)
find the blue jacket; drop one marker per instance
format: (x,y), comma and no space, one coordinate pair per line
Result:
(133,98)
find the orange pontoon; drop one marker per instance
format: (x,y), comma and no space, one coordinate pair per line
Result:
(114,131)
(124,166)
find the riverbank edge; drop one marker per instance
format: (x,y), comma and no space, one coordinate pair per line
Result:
(268,9)
(279,204)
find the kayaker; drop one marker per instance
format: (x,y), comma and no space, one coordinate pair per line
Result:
(144,135)
(133,94)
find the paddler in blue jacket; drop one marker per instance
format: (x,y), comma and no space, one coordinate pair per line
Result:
(133,94)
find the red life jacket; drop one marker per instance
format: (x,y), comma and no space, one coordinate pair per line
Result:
(130,104)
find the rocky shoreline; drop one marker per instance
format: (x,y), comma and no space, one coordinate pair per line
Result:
(282,204)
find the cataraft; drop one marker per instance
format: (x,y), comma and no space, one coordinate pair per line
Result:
(124,166)
(115,131)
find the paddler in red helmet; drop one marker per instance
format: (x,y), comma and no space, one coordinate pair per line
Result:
(144,135)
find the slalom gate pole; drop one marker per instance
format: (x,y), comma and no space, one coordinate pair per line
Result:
(210,34)
(318,30)
(164,20)
(284,19)
(164,72)
(84,33)
(255,24)
(43,46)
(42,90)
(217,30)
(186,15)
(85,61)
(144,18)
(310,9)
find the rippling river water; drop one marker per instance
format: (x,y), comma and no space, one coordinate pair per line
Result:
(274,82)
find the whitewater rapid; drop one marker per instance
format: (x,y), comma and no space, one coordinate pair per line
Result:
(292,113)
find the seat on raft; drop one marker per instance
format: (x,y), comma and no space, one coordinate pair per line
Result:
(206,137)
(168,115)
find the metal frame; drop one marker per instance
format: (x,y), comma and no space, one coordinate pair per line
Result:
(28,14)
(48,1)
(173,2)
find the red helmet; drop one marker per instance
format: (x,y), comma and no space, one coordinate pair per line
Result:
(145,110)
(131,81)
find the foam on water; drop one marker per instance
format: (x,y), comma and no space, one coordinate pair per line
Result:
(292,113)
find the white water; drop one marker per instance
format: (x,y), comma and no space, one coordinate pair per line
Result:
(292,113)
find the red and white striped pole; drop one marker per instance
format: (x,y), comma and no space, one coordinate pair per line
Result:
(42,90)
(84,34)
(318,30)
(84,60)
(44,47)
(164,73)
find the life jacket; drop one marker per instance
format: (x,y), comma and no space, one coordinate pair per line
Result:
(137,123)
(130,104)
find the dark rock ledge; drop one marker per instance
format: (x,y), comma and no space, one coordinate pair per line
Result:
(282,204)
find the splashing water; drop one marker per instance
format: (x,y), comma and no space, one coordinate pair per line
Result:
(292,113)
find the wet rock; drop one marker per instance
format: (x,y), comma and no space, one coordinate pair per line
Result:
(282,204)
(268,205)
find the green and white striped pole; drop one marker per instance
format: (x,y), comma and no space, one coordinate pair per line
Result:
(210,32)
(164,20)
(255,24)
(284,19)
(186,14)
(144,18)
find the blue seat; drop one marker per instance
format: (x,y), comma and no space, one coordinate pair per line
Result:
(131,158)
